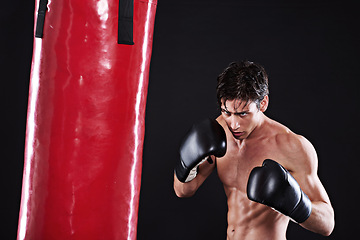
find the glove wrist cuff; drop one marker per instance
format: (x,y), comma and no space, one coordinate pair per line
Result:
(303,210)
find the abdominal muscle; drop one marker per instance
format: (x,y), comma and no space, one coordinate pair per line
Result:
(250,220)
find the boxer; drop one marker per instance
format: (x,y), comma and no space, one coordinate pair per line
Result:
(269,173)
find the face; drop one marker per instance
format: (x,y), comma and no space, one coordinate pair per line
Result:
(242,118)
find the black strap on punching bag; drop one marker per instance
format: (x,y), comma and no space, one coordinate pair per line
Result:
(125,25)
(125,21)
(41,18)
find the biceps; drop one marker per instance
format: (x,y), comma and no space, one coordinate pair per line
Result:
(312,186)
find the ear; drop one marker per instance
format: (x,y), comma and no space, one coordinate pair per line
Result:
(264,103)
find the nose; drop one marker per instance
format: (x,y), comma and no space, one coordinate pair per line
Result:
(234,123)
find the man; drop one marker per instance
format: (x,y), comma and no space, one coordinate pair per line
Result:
(269,173)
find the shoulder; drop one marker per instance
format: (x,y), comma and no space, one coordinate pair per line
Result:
(298,151)
(221,121)
(291,142)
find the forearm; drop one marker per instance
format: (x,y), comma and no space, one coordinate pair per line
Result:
(321,219)
(185,189)
(189,188)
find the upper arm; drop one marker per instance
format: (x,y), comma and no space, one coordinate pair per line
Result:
(303,166)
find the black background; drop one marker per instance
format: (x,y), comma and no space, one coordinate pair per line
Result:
(310,50)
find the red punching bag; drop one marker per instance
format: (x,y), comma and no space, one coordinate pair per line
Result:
(85,123)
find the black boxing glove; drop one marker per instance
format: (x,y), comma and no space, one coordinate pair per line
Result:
(204,139)
(274,186)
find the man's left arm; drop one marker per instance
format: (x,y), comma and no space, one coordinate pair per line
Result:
(303,167)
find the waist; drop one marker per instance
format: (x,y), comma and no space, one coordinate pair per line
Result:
(256,221)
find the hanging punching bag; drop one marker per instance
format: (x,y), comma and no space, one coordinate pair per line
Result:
(85,123)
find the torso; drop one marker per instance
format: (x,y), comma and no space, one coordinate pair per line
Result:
(247,219)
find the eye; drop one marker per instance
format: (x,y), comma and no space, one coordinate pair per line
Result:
(242,114)
(227,113)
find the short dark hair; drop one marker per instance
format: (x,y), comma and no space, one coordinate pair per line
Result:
(245,80)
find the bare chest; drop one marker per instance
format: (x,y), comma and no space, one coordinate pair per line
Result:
(235,167)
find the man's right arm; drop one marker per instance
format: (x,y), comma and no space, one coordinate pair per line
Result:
(188,189)
(205,141)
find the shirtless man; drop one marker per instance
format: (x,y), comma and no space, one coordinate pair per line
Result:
(237,144)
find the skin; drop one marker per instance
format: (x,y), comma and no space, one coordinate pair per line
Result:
(252,137)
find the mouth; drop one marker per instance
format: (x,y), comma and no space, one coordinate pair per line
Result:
(238,134)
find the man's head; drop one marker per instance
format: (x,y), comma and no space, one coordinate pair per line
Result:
(245,81)
(242,94)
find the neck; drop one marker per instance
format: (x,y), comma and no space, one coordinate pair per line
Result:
(258,130)
(259,127)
